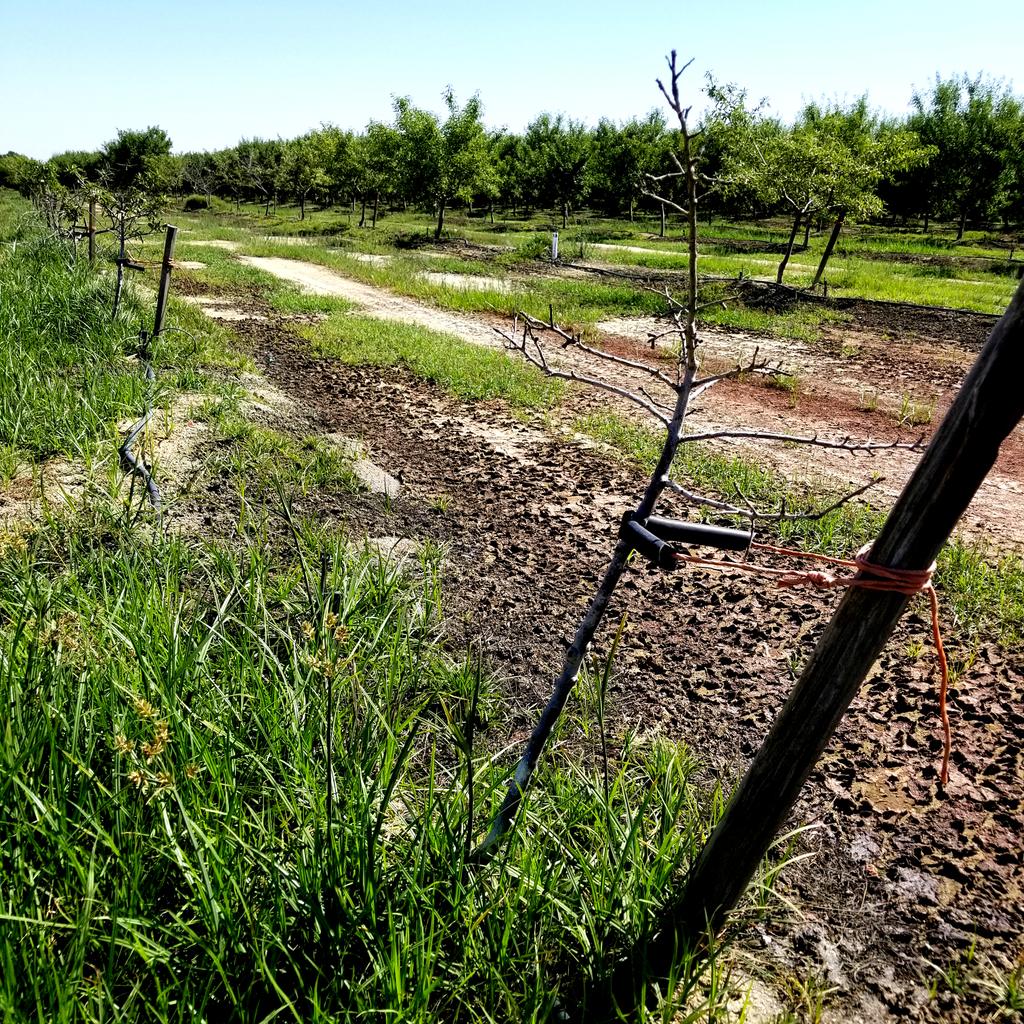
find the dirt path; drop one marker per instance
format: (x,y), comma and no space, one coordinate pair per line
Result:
(853,383)
(375,301)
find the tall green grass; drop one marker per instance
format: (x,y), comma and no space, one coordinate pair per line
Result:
(65,375)
(18,220)
(69,370)
(228,792)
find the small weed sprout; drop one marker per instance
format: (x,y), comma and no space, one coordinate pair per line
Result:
(868,401)
(785,382)
(914,414)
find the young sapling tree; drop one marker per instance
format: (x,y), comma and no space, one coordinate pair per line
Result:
(665,396)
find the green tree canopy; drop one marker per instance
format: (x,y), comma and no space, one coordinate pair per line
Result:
(623,157)
(974,126)
(304,166)
(442,160)
(137,159)
(558,154)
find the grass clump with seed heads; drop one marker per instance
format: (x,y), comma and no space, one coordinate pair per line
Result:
(238,788)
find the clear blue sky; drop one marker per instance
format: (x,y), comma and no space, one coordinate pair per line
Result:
(72,72)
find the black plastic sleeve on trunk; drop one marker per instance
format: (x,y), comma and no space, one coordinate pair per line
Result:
(646,544)
(722,537)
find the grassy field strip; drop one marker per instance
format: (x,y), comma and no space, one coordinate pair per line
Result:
(580,301)
(847,277)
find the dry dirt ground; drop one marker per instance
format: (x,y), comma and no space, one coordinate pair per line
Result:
(905,876)
(855,381)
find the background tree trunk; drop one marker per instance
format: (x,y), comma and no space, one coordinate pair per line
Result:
(789,247)
(832,239)
(440,220)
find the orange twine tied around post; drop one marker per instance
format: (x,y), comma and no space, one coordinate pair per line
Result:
(868,577)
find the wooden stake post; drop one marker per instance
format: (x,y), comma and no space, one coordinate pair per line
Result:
(165,280)
(961,453)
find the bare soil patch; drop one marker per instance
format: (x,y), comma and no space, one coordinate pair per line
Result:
(219,308)
(51,484)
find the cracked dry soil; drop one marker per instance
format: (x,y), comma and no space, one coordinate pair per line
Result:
(903,876)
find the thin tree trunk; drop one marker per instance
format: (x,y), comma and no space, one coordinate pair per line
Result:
(630,209)
(440,220)
(591,621)
(661,234)
(362,213)
(302,207)
(832,239)
(565,215)
(807,233)
(961,227)
(789,247)
(376,200)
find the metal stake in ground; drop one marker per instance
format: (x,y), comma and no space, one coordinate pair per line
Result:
(963,450)
(165,280)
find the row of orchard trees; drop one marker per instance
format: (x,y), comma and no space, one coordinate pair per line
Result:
(959,156)
(438,162)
